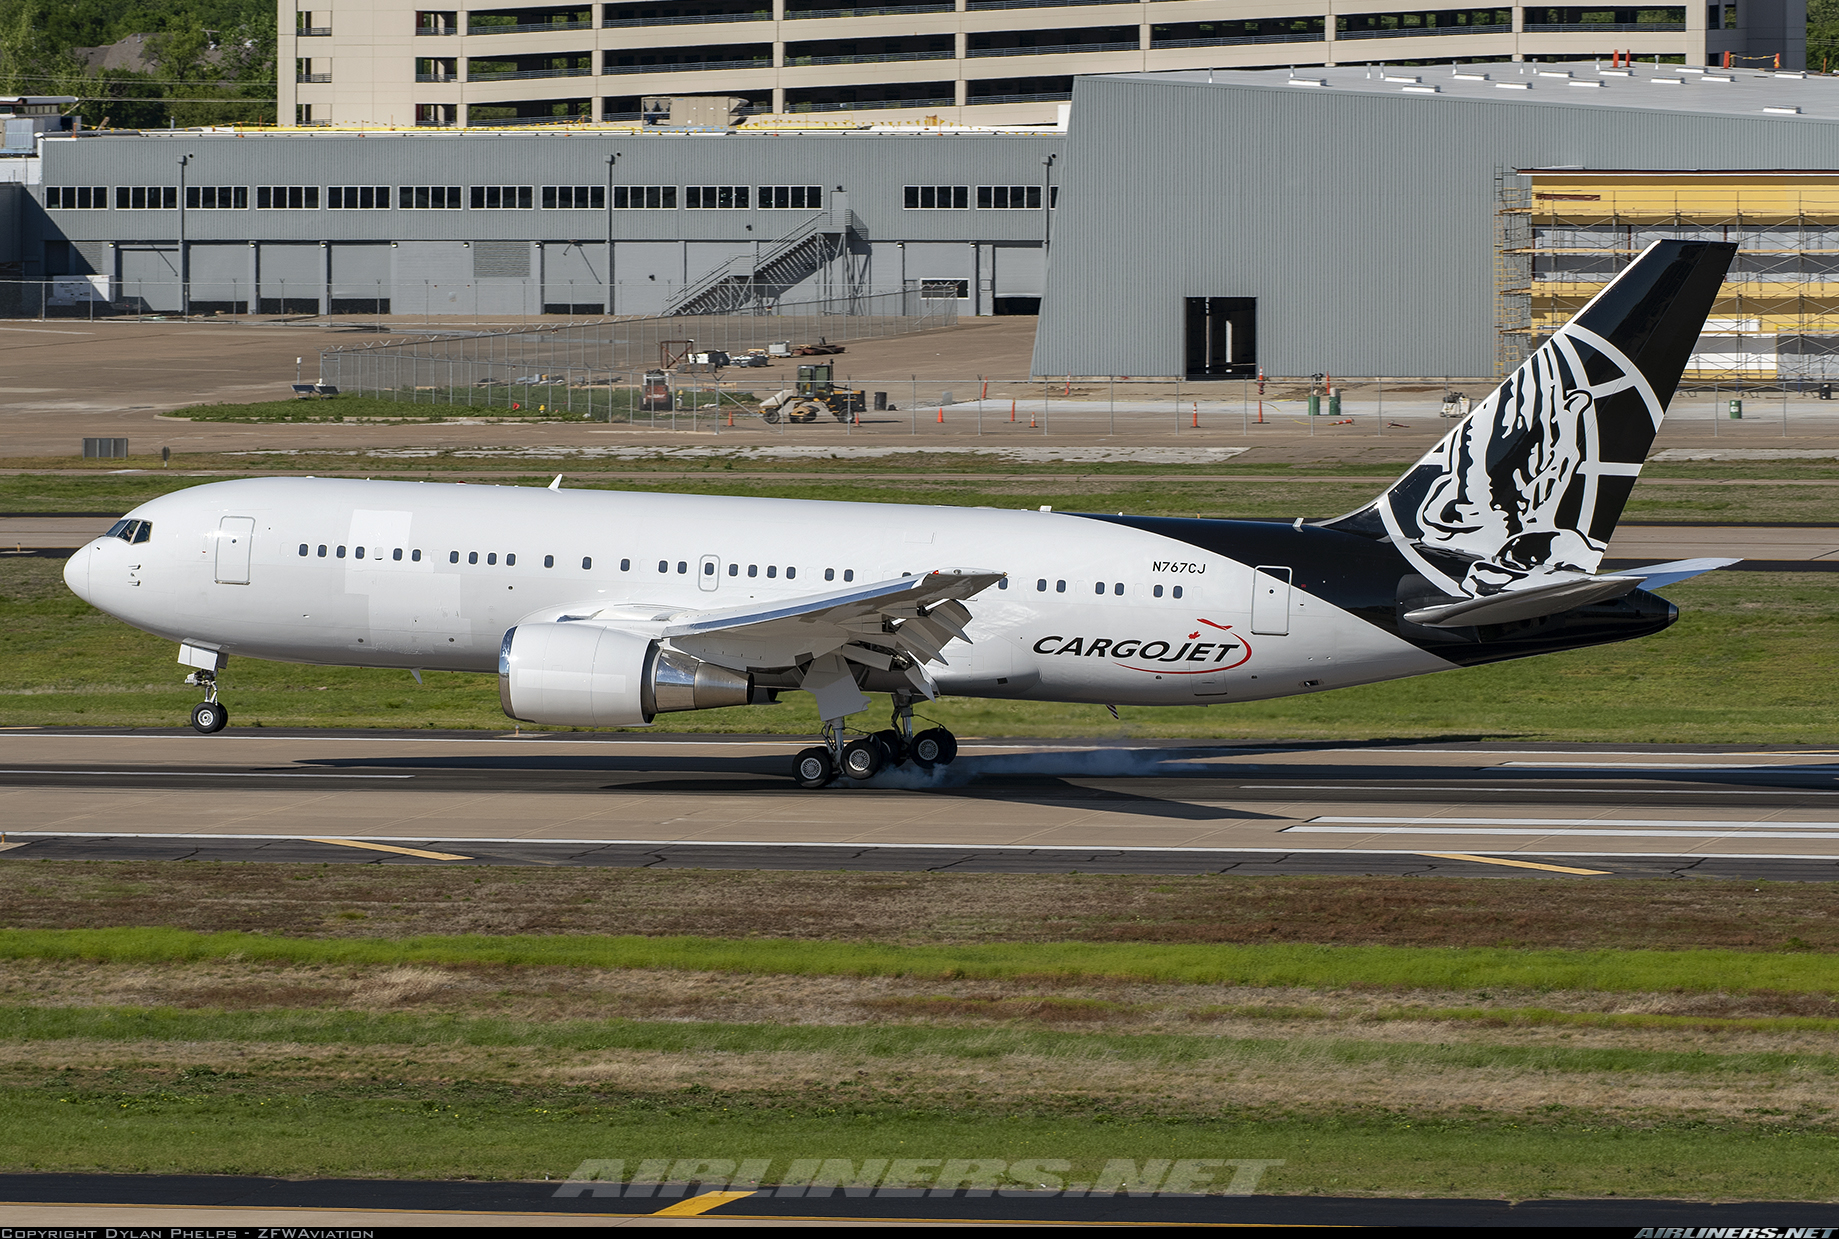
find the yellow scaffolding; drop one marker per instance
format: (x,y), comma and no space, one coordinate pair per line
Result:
(1777,315)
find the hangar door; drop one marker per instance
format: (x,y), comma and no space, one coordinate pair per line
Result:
(1021,270)
(1222,337)
(150,276)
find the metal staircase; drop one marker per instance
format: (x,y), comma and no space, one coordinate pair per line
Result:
(752,283)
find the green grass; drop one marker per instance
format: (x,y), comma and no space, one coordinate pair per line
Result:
(1753,659)
(1277,965)
(211,1124)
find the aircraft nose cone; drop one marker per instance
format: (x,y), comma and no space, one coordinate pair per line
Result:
(76,573)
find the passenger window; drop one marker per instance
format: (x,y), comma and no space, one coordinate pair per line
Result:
(772,570)
(303,550)
(734,570)
(492,558)
(587,562)
(708,569)
(143,532)
(682,566)
(1059,587)
(453,557)
(415,556)
(1158,591)
(753,569)
(340,553)
(1099,588)
(1178,591)
(549,561)
(790,573)
(510,561)
(1003,584)
(359,551)
(664,565)
(472,557)
(829,573)
(849,574)
(1118,589)
(322,550)
(396,554)
(1041,585)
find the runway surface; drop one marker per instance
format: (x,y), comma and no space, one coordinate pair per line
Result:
(1051,806)
(207,1200)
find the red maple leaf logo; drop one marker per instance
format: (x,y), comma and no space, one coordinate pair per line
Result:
(1193,635)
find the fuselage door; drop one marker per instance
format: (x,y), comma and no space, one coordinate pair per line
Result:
(235,535)
(709,572)
(1271,601)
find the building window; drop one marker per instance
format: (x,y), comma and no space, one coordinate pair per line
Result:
(715,197)
(358,198)
(574,197)
(77,198)
(503,197)
(303,113)
(1008,197)
(146,198)
(791,198)
(287,197)
(944,290)
(216,198)
(938,197)
(428,197)
(644,197)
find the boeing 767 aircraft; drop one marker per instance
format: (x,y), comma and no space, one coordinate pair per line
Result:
(602,609)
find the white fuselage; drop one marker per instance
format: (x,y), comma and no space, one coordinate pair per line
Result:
(430,575)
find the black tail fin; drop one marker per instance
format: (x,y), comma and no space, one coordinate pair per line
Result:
(1533,481)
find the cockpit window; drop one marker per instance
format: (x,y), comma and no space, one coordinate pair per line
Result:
(131,531)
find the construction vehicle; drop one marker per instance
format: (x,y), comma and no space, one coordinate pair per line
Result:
(815,394)
(655,394)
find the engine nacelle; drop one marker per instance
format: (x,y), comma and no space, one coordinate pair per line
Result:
(583,675)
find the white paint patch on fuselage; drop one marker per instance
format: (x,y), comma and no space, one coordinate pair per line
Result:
(448,607)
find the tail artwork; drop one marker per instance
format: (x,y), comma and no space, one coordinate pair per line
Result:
(1510,514)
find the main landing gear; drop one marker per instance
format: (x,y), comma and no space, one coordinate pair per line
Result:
(209,715)
(866,756)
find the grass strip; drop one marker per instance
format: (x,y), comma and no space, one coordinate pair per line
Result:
(1276,965)
(398,1130)
(1532,1017)
(898,1042)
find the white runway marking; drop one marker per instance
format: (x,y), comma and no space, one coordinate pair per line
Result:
(1471,831)
(1568,821)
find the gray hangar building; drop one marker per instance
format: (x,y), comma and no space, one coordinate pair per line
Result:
(524,222)
(1427,221)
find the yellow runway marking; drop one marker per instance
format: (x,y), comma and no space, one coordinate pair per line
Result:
(700,1204)
(1517,864)
(384,847)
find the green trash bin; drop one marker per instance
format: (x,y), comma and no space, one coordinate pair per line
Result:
(1315,405)
(1334,404)
(1736,410)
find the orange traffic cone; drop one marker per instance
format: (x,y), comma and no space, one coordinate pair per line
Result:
(1012,410)
(1197,417)
(941,415)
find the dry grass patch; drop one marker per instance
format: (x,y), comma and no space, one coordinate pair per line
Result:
(918,908)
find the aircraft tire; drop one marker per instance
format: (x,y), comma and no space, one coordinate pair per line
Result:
(934,747)
(813,768)
(209,717)
(863,759)
(893,747)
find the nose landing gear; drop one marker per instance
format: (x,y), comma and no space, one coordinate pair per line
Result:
(867,756)
(209,715)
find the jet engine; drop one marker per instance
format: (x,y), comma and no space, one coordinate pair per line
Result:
(584,675)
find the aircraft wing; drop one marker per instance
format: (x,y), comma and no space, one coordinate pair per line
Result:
(898,625)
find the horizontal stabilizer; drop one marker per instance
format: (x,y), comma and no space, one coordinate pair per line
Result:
(1523,604)
(1658,576)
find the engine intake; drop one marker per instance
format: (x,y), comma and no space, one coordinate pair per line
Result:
(583,675)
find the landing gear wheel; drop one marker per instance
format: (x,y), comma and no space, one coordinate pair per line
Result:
(862,759)
(210,716)
(813,768)
(893,747)
(934,747)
